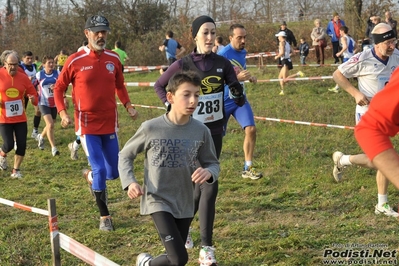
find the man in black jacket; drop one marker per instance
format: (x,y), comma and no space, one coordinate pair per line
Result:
(290,36)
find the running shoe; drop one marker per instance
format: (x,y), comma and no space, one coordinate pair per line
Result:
(106,224)
(385,209)
(74,153)
(338,168)
(34,134)
(143,259)
(3,162)
(251,173)
(54,151)
(16,174)
(300,74)
(335,89)
(281,92)
(207,256)
(40,141)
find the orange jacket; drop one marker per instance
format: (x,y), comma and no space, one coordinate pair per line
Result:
(12,92)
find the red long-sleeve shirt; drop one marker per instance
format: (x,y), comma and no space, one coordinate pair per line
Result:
(12,92)
(95,78)
(381,121)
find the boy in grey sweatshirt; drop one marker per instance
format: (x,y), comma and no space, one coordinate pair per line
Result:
(179,152)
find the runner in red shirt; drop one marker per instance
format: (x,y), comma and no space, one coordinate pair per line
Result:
(377,125)
(95,74)
(14,85)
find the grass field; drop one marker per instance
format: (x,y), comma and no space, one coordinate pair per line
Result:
(289,217)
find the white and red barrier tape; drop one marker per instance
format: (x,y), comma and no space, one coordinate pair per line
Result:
(142,68)
(307,65)
(267,54)
(290,79)
(272,119)
(302,123)
(139,84)
(23,207)
(148,106)
(70,245)
(151,84)
(266,118)
(84,253)
(155,67)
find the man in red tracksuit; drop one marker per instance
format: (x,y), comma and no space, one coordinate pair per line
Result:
(96,75)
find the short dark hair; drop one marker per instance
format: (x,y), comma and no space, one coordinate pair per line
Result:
(27,53)
(169,33)
(219,39)
(46,58)
(345,29)
(118,44)
(235,26)
(183,77)
(85,43)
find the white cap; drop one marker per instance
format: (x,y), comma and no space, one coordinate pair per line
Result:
(281,33)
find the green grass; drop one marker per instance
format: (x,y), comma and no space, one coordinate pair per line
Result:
(286,218)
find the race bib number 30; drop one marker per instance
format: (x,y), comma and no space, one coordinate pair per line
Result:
(14,108)
(209,108)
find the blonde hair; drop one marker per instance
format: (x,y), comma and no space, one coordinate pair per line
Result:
(317,21)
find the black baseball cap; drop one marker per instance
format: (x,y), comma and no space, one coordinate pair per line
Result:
(97,23)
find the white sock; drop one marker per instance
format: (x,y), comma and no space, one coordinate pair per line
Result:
(345,160)
(336,86)
(248,163)
(75,145)
(382,199)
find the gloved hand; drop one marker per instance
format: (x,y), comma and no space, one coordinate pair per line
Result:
(237,93)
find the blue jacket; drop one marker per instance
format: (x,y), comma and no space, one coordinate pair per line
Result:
(330,30)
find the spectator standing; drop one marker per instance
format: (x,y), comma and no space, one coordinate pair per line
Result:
(176,138)
(14,85)
(290,37)
(122,54)
(368,40)
(96,76)
(303,50)
(391,22)
(319,40)
(301,14)
(333,31)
